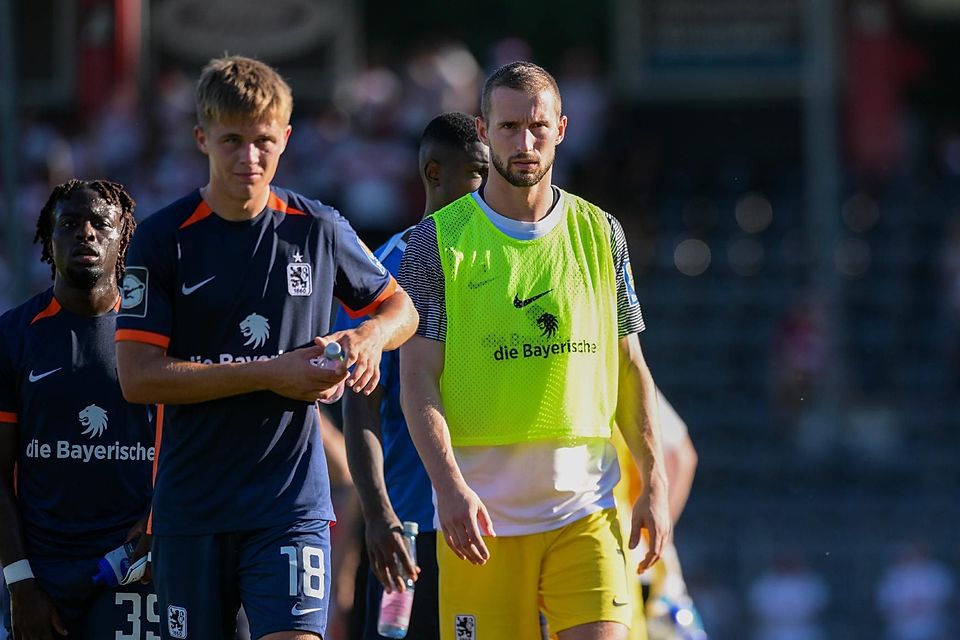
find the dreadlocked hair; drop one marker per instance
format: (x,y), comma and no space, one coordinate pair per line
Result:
(112,192)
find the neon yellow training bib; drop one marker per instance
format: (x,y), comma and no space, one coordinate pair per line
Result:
(531,342)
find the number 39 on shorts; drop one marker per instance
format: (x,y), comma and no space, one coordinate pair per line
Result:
(139,608)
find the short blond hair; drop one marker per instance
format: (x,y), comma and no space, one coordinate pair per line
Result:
(239,88)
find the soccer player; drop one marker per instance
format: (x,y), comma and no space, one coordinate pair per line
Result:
(526,353)
(662,584)
(227,295)
(75,458)
(390,479)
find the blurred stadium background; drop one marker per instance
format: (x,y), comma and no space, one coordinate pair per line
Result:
(788,173)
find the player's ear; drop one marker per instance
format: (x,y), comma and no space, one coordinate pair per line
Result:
(431,171)
(482,130)
(200,137)
(561,128)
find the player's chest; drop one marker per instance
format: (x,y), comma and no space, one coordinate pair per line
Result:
(219,272)
(58,360)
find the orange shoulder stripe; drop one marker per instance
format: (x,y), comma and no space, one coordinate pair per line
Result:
(52,309)
(388,291)
(202,211)
(275,203)
(136,335)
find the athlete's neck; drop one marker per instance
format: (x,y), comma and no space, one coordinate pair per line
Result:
(234,209)
(95,301)
(433,205)
(526,204)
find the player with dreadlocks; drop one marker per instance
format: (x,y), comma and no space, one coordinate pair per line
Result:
(112,193)
(75,458)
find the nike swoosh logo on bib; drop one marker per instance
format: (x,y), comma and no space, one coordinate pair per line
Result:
(41,376)
(188,290)
(520,304)
(474,284)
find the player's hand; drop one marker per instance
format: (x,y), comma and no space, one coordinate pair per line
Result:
(651,513)
(387,551)
(293,375)
(32,613)
(139,533)
(464,520)
(363,348)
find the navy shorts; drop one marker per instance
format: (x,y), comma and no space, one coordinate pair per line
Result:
(281,575)
(425,617)
(92,613)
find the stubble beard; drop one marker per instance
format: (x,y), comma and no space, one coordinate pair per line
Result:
(520,179)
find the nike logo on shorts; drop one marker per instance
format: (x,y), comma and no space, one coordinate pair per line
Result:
(617,603)
(520,304)
(188,290)
(297,611)
(41,376)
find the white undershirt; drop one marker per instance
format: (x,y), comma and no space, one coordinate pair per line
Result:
(538,486)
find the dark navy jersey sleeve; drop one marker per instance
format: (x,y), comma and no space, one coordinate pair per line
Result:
(362,281)
(148,285)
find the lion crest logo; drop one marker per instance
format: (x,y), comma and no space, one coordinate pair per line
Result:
(256,329)
(548,324)
(95,420)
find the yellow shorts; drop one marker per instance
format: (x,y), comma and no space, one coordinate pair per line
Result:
(575,574)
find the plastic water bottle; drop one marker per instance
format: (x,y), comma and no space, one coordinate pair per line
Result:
(395,607)
(332,356)
(112,567)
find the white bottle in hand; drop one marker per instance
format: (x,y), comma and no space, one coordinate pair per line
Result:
(332,356)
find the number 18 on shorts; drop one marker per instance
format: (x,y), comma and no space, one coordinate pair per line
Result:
(280,575)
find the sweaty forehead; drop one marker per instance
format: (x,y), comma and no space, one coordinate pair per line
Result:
(86,201)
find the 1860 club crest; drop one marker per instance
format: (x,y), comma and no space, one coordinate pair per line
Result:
(299,276)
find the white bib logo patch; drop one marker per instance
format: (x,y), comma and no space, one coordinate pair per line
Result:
(256,329)
(299,276)
(95,420)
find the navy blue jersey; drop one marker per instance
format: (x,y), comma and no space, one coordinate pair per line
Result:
(209,290)
(85,455)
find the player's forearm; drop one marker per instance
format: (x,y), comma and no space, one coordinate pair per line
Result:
(361,432)
(11,542)
(334,449)
(637,415)
(395,319)
(420,400)
(157,378)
